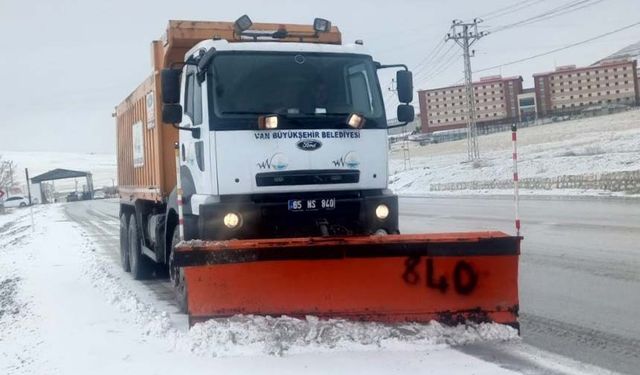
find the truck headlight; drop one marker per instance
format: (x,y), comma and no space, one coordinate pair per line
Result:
(382,211)
(232,220)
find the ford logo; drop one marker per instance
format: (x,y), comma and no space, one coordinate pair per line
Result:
(309,144)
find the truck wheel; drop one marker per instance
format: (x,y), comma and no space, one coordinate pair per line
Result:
(124,244)
(177,275)
(140,265)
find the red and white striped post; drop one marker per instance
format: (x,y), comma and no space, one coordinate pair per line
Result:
(514,140)
(179,193)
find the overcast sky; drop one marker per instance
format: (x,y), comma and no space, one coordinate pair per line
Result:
(65,64)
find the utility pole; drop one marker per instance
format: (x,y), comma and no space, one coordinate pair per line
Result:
(465,34)
(26,172)
(10,180)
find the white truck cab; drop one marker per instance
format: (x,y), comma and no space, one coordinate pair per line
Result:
(283,138)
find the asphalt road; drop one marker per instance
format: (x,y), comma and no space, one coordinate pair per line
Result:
(579,271)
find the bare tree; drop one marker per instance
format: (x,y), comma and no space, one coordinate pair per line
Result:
(7,174)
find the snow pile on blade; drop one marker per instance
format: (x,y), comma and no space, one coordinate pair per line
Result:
(255,335)
(268,335)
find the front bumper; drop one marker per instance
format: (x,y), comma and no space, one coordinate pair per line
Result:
(268,216)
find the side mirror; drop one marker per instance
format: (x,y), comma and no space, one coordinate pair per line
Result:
(172,113)
(170,82)
(405,113)
(404,85)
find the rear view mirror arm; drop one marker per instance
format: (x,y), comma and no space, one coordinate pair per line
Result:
(397,126)
(380,66)
(195,132)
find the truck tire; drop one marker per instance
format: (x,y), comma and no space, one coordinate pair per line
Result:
(124,243)
(176,274)
(141,266)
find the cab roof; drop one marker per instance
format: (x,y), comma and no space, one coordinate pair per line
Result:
(223,45)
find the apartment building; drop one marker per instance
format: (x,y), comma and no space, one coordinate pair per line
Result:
(446,107)
(569,89)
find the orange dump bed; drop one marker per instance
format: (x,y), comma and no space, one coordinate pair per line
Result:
(449,277)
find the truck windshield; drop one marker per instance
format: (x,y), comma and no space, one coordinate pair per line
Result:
(311,89)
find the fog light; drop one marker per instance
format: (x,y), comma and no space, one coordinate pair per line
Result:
(268,122)
(231,220)
(355,121)
(381,232)
(382,211)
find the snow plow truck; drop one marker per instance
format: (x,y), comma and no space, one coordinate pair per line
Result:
(253,166)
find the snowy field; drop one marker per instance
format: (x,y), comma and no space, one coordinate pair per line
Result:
(102,166)
(67,308)
(600,144)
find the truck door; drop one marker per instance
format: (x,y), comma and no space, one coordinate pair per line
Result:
(194,147)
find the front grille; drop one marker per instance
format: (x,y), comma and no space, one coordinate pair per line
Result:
(308,177)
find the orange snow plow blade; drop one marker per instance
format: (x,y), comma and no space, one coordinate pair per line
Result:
(448,277)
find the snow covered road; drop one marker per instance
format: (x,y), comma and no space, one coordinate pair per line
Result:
(67,308)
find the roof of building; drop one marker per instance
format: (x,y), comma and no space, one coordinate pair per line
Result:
(483,80)
(567,69)
(58,174)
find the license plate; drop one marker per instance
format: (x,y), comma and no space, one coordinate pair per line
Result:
(312,204)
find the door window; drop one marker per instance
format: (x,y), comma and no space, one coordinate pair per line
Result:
(193,97)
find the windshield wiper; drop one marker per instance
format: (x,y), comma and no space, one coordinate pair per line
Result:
(290,119)
(242,113)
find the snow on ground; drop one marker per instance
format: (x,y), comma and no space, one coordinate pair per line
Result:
(599,144)
(66,308)
(102,166)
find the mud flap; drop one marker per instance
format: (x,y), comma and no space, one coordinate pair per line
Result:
(450,277)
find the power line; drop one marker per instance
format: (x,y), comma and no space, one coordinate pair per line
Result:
(441,68)
(400,47)
(437,63)
(489,14)
(418,69)
(551,13)
(440,63)
(430,56)
(510,9)
(560,48)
